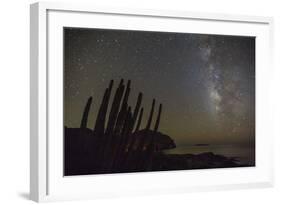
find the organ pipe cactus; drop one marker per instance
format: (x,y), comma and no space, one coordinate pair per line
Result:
(100,122)
(158,118)
(86,113)
(115,140)
(115,108)
(150,115)
(139,120)
(137,108)
(122,114)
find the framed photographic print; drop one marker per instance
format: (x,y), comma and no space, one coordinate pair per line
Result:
(127,102)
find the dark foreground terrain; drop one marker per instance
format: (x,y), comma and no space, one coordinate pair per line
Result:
(86,154)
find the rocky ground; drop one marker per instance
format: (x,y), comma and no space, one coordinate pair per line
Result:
(192,161)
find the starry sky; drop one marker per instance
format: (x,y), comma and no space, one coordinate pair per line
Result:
(206,83)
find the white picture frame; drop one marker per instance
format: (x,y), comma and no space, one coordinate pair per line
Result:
(47,182)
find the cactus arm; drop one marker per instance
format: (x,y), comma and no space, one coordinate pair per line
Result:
(150,115)
(158,118)
(84,120)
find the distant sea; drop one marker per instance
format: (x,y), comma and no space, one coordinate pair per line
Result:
(244,154)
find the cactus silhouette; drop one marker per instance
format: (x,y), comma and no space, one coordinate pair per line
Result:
(136,111)
(139,120)
(84,120)
(150,115)
(158,118)
(99,127)
(115,146)
(122,144)
(122,114)
(115,108)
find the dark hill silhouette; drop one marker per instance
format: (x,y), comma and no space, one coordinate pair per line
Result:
(161,141)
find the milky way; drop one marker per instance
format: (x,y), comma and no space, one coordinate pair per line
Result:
(226,79)
(206,83)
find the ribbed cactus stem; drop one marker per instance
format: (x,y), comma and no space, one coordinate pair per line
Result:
(136,111)
(158,118)
(150,115)
(123,111)
(115,108)
(139,120)
(99,116)
(127,122)
(100,121)
(127,93)
(84,120)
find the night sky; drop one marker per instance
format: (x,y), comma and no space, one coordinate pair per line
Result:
(206,83)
